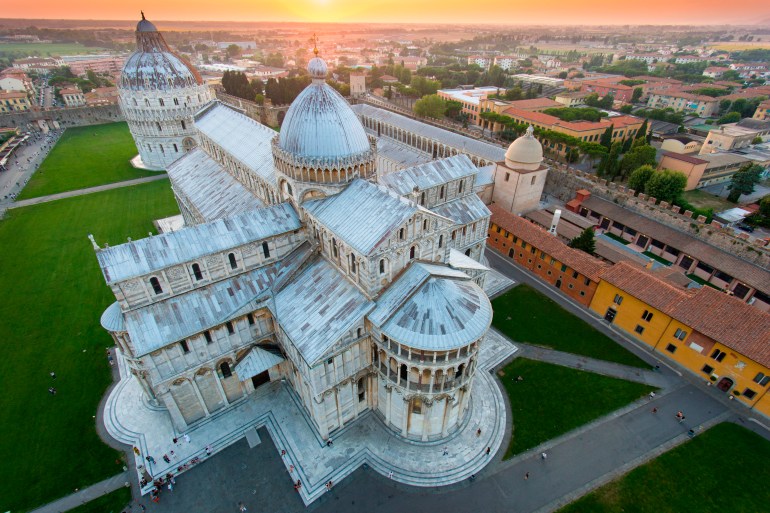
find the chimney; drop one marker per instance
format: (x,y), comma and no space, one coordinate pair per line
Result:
(555,222)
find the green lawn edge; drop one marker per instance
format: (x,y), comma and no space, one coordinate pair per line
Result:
(113,502)
(525,315)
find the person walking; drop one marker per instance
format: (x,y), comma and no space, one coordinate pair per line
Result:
(446,451)
(478,432)
(651,396)
(241,507)
(543,456)
(526,476)
(654,410)
(53,375)
(489,450)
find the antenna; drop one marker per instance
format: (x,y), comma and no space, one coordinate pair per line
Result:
(142,14)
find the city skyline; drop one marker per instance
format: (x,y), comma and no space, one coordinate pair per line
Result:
(549,12)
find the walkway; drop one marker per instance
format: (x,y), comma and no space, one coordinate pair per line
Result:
(89,190)
(86,495)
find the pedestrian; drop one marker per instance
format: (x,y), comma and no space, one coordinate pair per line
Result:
(208,450)
(446,450)
(241,507)
(176,441)
(329,485)
(186,438)
(142,507)
(166,458)
(679,415)
(329,442)
(526,476)
(478,432)
(544,456)
(136,451)
(53,375)
(170,486)
(390,475)
(174,456)
(489,450)
(283,453)
(150,459)
(291,469)
(691,433)
(52,390)
(654,410)
(651,396)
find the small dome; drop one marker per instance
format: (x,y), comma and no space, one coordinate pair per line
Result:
(526,152)
(145,26)
(317,68)
(320,124)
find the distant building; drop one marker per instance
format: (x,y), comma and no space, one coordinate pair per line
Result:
(763,111)
(573,99)
(715,71)
(411,62)
(480,60)
(700,105)
(102,64)
(682,143)
(733,136)
(470,98)
(243,45)
(520,178)
(72,97)
(507,62)
(102,96)
(14,101)
(265,73)
(357,83)
(13,79)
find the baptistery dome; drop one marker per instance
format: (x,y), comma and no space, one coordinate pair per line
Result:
(320,124)
(526,152)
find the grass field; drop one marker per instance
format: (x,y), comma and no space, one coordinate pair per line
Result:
(740,45)
(52,297)
(111,503)
(724,469)
(20,50)
(703,199)
(552,400)
(526,315)
(85,157)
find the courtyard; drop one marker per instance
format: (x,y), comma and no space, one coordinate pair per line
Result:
(52,295)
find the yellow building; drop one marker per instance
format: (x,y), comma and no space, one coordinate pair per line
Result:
(13,101)
(713,335)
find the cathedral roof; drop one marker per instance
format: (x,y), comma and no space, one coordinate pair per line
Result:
(464,210)
(433,307)
(320,124)
(244,139)
(430,174)
(212,191)
(145,256)
(153,65)
(178,317)
(318,307)
(364,215)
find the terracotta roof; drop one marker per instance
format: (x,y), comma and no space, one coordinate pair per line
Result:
(645,286)
(578,126)
(684,158)
(744,271)
(532,234)
(687,96)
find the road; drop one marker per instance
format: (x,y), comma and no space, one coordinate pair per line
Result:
(24,162)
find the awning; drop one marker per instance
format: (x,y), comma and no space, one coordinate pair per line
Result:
(258,360)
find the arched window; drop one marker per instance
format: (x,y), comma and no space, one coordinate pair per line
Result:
(382,266)
(353,263)
(441,192)
(402,373)
(147,102)
(135,104)
(158,126)
(468,252)
(161,102)
(233,261)
(460,187)
(441,241)
(460,371)
(412,251)
(425,225)
(225,368)
(401,234)
(422,199)
(265,250)
(176,101)
(361,390)
(196,269)
(360,332)
(334,247)
(184,127)
(156,285)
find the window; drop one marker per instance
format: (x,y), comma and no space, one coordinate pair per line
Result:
(534,178)
(587,282)
(176,101)
(575,274)
(230,327)
(707,369)
(582,293)
(176,149)
(680,334)
(382,266)
(207,336)
(196,269)
(563,268)
(440,241)
(158,126)
(460,187)
(161,148)
(265,250)
(718,355)
(639,329)
(422,199)
(411,252)
(162,103)
(499,230)
(401,234)
(352,263)
(250,317)
(671,348)
(225,368)
(334,247)
(507,176)
(417,405)
(441,192)
(184,346)
(749,393)
(425,225)
(647,315)
(618,299)
(361,390)
(542,255)
(233,262)
(156,285)
(761,379)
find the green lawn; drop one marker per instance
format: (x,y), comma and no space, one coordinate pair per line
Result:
(723,469)
(113,502)
(698,279)
(52,297)
(657,258)
(526,315)
(85,157)
(20,50)
(552,400)
(617,238)
(705,200)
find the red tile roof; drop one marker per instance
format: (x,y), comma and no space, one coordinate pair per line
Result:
(684,158)
(645,286)
(532,234)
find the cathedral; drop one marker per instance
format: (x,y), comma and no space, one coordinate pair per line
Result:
(300,260)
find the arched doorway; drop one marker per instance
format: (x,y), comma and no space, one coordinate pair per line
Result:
(725,384)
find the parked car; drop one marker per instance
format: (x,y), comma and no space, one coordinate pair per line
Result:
(746,228)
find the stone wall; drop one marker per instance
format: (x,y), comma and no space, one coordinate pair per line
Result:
(71,116)
(267,114)
(562,183)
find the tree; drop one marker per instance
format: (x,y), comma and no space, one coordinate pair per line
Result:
(639,178)
(233,51)
(730,117)
(757,140)
(453,109)
(637,157)
(608,167)
(606,138)
(743,181)
(637,95)
(626,109)
(764,206)
(593,151)
(431,106)
(642,132)
(666,185)
(585,241)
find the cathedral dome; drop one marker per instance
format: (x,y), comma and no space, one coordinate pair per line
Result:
(526,152)
(153,66)
(320,124)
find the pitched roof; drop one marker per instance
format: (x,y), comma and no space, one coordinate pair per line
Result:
(748,273)
(430,174)
(645,286)
(529,232)
(684,158)
(363,215)
(147,255)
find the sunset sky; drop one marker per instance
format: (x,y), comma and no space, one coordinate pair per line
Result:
(416,11)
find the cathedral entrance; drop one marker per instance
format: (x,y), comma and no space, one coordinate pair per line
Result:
(260,379)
